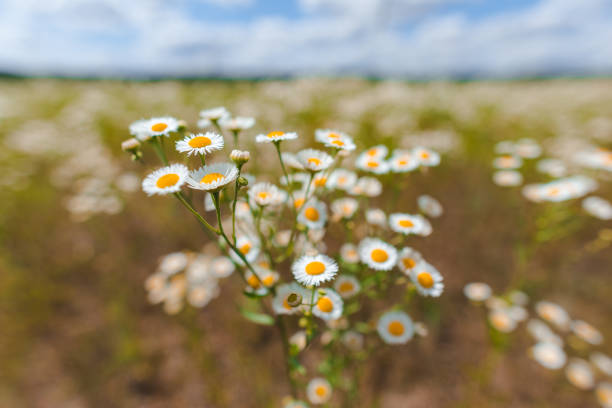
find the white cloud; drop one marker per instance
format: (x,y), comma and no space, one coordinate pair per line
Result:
(386,37)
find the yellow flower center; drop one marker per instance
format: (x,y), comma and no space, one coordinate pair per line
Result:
(402,162)
(409,263)
(500,321)
(341,180)
(245,248)
(199,141)
(333,135)
(425,280)
(276,133)
(211,178)
(167,180)
(253,281)
(396,328)
(268,280)
(263,195)
(379,255)
(338,142)
(298,202)
(159,127)
(424,155)
(321,391)
(320,181)
(604,395)
(346,286)
(311,214)
(286,304)
(325,304)
(315,161)
(372,152)
(372,164)
(315,268)
(406,223)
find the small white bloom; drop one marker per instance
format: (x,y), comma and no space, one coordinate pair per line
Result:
(214,114)
(548,355)
(578,372)
(200,143)
(430,206)
(376,216)
(344,207)
(408,259)
(342,179)
(426,157)
(377,254)
(327,306)
(281,305)
(314,270)
(372,164)
(276,136)
(405,223)
(477,291)
(236,124)
(314,160)
(395,327)
(508,178)
(313,214)
(501,319)
(367,186)
(507,162)
(264,194)
(427,279)
(553,313)
(587,332)
(377,152)
(212,177)
(319,391)
(347,286)
(166,180)
(598,207)
(349,253)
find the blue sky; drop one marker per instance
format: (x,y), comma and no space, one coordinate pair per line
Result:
(416,39)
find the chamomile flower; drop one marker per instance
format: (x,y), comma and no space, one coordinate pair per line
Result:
(548,355)
(578,372)
(395,327)
(347,286)
(319,390)
(290,160)
(201,295)
(477,291)
(328,305)
(553,313)
(343,143)
(314,160)
(408,259)
(542,333)
(281,305)
(328,135)
(405,223)
(377,152)
(212,177)
(508,178)
(604,394)
(367,186)
(200,143)
(248,247)
(236,124)
(161,126)
(501,320)
(402,163)
(221,267)
(507,162)
(602,362)
(260,283)
(275,136)
(430,206)
(528,149)
(349,253)
(166,180)
(427,279)
(353,340)
(344,207)
(552,167)
(598,207)
(586,332)
(426,157)
(342,179)
(313,214)
(372,164)
(377,254)
(173,263)
(314,270)
(264,194)
(214,114)
(376,216)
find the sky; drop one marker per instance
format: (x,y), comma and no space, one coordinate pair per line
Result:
(413,39)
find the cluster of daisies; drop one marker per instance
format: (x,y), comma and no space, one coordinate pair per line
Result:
(273,235)
(562,187)
(556,334)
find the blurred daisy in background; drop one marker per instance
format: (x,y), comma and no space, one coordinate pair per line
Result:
(429,206)
(508,178)
(313,214)
(236,124)
(405,223)
(327,305)
(377,152)
(264,194)
(314,160)
(427,279)
(598,207)
(501,320)
(377,254)
(578,372)
(349,253)
(407,259)
(275,136)
(344,208)
(342,179)
(166,180)
(395,327)
(314,270)
(477,291)
(587,332)
(214,114)
(548,355)
(426,157)
(604,394)
(507,162)
(319,390)
(376,216)
(553,313)
(347,286)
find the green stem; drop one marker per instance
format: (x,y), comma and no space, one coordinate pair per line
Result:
(180,197)
(236,189)
(289,184)
(159,150)
(203,160)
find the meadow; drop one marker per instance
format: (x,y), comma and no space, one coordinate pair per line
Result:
(79,239)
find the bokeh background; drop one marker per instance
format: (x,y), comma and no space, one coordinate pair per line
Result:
(78,237)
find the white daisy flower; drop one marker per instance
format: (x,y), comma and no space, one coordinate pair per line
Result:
(290,160)
(276,136)
(248,247)
(376,216)
(587,332)
(214,114)
(222,267)
(427,279)
(527,149)
(518,298)
(327,135)
(507,162)
(314,270)
(347,286)
(501,320)
(166,180)
(426,157)
(377,254)
(344,207)
(342,179)
(604,394)
(314,160)
(395,327)
(200,143)
(377,152)
(372,164)
(403,163)
(598,207)
(548,355)
(425,227)
(313,214)
(161,126)
(173,263)
(477,291)
(542,333)
(430,206)
(602,362)
(578,372)
(349,253)
(236,124)
(367,186)
(344,143)
(327,306)
(353,340)
(553,313)
(405,223)
(408,259)
(552,167)
(212,177)
(281,305)
(319,390)
(261,285)
(264,194)
(508,178)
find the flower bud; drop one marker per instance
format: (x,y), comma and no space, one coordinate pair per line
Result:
(242,181)
(294,299)
(130,144)
(240,157)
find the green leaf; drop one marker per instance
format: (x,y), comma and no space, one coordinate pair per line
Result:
(259,318)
